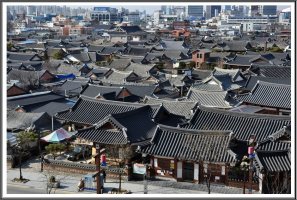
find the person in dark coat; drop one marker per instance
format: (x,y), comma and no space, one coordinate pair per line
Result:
(104,176)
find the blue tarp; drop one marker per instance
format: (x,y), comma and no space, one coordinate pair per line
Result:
(66,76)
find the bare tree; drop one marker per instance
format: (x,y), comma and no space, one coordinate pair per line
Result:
(120,154)
(276,182)
(22,149)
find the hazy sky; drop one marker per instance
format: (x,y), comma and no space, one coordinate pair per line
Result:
(149,8)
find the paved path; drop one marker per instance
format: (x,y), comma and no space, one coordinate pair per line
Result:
(69,183)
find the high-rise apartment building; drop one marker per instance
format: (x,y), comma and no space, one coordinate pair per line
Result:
(104,14)
(195,12)
(268,10)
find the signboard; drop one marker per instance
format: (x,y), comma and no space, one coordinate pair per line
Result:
(139,168)
(172,164)
(223,170)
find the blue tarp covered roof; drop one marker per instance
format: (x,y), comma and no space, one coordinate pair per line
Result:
(66,76)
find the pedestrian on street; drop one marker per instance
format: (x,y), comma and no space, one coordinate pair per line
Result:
(81,185)
(104,176)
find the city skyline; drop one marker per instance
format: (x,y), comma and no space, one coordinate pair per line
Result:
(150,9)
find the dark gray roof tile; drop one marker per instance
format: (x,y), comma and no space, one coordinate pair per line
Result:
(91,111)
(252,81)
(269,95)
(183,108)
(193,145)
(219,99)
(242,124)
(273,161)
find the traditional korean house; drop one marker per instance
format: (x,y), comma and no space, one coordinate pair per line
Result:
(34,121)
(217,99)
(85,107)
(71,88)
(14,90)
(30,79)
(114,93)
(223,80)
(273,162)
(253,80)
(275,98)
(183,108)
(192,155)
(28,102)
(241,124)
(270,71)
(116,76)
(23,56)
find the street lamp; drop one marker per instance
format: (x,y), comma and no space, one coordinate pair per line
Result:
(244,166)
(145,190)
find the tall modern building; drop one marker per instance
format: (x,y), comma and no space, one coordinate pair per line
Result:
(227,8)
(134,17)
(208,12)
(167,10)
(215,10)
(268,10)
(31,10)
(195,12)
(104,14)
(163,8)
(254,10)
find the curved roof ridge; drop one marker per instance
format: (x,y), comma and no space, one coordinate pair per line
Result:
(206,91)
(86,98)
(253,115)
(105,86)
(274,84)
(167,100)
(194,131)
(271,151)
(131,112)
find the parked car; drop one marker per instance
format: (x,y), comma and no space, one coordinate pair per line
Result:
(79,151)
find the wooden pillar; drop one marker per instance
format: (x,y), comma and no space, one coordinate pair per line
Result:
(251,176)
(196,172)
(98,163)
(175,169)
(179,171)
(227,166)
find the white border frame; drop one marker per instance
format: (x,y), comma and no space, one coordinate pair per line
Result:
(93,4)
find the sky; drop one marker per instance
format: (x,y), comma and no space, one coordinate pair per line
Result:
(149,8)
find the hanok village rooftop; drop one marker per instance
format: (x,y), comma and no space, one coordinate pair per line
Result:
(191,107)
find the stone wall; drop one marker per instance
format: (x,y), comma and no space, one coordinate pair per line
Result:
(78,168)
(239,184)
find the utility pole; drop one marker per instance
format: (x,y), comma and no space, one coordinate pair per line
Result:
(251,149)
(145,183)
(98,163)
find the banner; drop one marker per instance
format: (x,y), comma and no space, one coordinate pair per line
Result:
(139,168)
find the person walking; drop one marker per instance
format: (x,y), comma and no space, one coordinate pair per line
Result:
(81,185)
(104,176)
